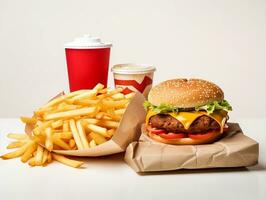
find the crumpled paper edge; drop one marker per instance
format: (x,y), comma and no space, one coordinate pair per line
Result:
(222,157)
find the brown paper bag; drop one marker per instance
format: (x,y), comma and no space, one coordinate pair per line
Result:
(128,131)
(234,150)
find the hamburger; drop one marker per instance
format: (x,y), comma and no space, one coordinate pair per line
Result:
(186,112)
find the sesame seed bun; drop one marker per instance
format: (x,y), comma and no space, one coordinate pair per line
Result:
(185,93)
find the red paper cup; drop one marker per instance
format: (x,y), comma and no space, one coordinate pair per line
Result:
(87,62)
(134,77)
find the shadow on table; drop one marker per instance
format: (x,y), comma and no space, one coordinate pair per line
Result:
(118,159)
(208,171)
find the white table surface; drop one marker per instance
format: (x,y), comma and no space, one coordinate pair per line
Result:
(110,177)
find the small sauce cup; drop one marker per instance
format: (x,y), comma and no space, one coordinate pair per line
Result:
(134,77)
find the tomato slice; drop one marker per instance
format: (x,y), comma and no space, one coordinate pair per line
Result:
(155,130)
(202,136)
(172,135)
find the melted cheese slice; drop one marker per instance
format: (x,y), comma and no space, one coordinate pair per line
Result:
(187,118)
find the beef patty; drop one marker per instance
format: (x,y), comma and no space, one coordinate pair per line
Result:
(170,124)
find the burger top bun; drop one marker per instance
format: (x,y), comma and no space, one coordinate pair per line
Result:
(185,93)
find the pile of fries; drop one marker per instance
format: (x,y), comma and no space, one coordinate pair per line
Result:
(78,120)
(36,155)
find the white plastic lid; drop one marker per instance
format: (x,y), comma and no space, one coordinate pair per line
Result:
(87,42)
(131,68)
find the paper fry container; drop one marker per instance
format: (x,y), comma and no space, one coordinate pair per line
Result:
(128,131)
(234,150)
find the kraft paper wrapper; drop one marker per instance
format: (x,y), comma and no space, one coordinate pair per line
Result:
(128,131)
(233,150)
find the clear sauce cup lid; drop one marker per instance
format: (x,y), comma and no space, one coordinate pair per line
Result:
(131,68)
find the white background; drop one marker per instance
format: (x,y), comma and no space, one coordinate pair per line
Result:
(223,41)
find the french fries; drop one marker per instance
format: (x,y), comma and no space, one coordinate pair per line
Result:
(67,161)
(98,138)
(98,129)
(16,153)
(35,154)
(29,152)
(92,143)
(75,133)
(82,135)
(49,139)
(70,113)
(72,143)
(17,144)
(39,155)
(28,120)
(17,136)
(61,143)
(79,120)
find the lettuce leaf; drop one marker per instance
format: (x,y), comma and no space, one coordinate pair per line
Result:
(162,108)
(209,108)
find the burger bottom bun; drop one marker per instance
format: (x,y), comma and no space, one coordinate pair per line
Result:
(185,141)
